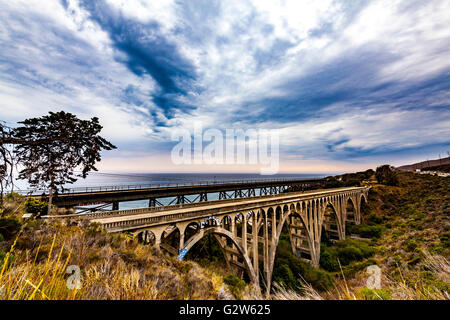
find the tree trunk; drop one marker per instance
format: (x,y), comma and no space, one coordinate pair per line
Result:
(50,196)
(2,210)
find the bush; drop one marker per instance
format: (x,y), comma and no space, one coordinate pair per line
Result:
(332,182)
(366,231)
(346,251)
(319,279)
(386,175)
(9,227)
(328,259)
(11,259)
(373,294)
(235,284)
(445,239)
(411,245)
(375,219)
(13,196)
(35,206)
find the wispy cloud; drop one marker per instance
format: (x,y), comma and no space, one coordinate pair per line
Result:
(341,80)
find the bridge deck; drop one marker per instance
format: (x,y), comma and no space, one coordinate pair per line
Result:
(222,205)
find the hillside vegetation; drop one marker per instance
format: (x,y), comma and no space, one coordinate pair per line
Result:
(405,232)
(34,256)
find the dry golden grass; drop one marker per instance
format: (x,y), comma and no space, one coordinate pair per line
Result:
(112,267)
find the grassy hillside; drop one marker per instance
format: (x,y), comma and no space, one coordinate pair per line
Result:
(406,230)
(34,257)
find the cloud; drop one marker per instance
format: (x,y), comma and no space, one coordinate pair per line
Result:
(341,80)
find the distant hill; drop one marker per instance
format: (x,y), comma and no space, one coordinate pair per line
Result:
(434,165)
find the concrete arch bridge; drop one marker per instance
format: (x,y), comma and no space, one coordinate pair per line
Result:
(246,229)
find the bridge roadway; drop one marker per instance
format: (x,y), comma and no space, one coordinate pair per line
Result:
(116,194)
(247,230)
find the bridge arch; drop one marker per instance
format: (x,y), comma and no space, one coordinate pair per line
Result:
(279,228)
(171,238)
(229,236)
(189,231)
(227,222)
(362,197)
(146,236)
(351,216)
(332,221)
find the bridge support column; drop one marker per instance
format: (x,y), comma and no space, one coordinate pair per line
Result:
(358,210)
(152,202)
(266,247)
(181,244)
(115,205)
(274,224)
(234,233)
(315,231)
(244,232)
(255,245)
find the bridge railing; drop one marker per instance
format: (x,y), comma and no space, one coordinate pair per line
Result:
(157,186)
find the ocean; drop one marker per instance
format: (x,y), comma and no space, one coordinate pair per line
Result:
(99,179)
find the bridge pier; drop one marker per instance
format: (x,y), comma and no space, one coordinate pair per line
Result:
(115,205)
(255,245)
(244,232)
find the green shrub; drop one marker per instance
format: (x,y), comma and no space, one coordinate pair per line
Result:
(319,279)
(366,231)
(386,175)
(9,227)
(373,294)
(235,284)
(285,277)
(411,245)
(328,259)
(445,239)
(35,206)
(10,259)
(346,251)
(13,196)
(375,219)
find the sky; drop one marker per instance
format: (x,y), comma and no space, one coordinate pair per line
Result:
(347,85)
